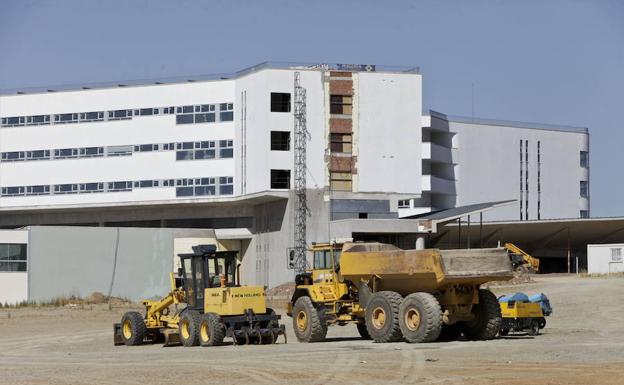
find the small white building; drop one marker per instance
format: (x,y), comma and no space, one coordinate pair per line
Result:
(605,259)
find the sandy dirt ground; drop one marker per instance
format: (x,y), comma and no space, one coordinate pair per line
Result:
(583,343)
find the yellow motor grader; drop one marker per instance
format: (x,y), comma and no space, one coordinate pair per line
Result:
(206,304)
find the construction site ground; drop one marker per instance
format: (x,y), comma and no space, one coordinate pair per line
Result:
(583,343)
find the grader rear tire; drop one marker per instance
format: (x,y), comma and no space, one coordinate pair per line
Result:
(420,317)
(189,328)
(382,317)
(211,330)
(308,324)
(488,319)
(133,329)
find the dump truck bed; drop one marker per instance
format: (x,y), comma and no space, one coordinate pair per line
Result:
(408,271)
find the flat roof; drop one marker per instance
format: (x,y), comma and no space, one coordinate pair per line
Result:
(216,76)
(507,123)
(451,214)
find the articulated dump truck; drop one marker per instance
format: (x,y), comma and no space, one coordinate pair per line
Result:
(394,295)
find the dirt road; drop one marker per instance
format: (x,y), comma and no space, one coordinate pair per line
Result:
(583,343)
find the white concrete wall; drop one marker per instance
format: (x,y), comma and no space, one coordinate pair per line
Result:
(488,159)
(138,130)
(260,121)
(13,285)
(599,259)
(389,133)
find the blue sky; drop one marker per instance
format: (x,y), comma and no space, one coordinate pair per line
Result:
(559,62)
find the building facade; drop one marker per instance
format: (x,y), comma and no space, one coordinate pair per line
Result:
(545,168)
(217,153)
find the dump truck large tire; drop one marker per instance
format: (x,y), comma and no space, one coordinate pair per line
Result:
(420,317)
(382,317)
(308,324)
(361,327)
(188,328)
(133,329)
(211,330)
(488,319)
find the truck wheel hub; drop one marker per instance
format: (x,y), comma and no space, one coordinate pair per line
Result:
(379,318)
(205,333)
(412,319)
(302,320)
(185,330)
(127,329)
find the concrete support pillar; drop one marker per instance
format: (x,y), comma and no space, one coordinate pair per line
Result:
(420,242)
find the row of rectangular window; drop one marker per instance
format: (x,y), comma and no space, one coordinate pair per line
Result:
(226,113)
(184,187)
(226,150)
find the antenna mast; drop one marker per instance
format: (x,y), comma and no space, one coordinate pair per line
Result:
(300,170)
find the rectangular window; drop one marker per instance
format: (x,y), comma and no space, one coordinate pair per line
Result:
(616,254)
(60,189)
(37,120)
(13,191)
(280,140)
(38,190)
(146,183)
(404,203)
(119,114)
(341,181)
(226,112)
(65,118)
(13,257)
(280,179)
(13,156)
(146,111)
(65,153)
(226,185)
(13,121)
(280,102)
(91,187)
(340,104)
(91,152)
(96,116)
(119,186)
(584,214)
(119,150)
(185,119)
(584,189)
(38,155)
(226,149)
(341,143)
(584,155)
(146,147)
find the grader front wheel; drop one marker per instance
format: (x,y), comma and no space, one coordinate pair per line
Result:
(211,330)
(133,329)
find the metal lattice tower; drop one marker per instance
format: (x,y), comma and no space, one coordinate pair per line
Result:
(300,171)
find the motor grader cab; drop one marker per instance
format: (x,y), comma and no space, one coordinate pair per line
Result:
(209,304)
(393,294)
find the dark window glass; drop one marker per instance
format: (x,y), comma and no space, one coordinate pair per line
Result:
(226,189)
(147,111)
(37,190)
(14,155)
(204,154)
(65,188)
(226,153)
(584,159)
(146,147)
(13,257)
(226,116)
(14,120)
(205,190)
(187,109)
(120,186)
(39,154)
(207,108)
(280,102)
(39,119)
(204,118)
(184,155)
(184,191)
(280,141)
(184,119)
(146,183)
(280,179)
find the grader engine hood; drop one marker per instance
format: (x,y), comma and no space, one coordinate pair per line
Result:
(234,300)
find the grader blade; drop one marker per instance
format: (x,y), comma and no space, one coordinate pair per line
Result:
(172,338)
